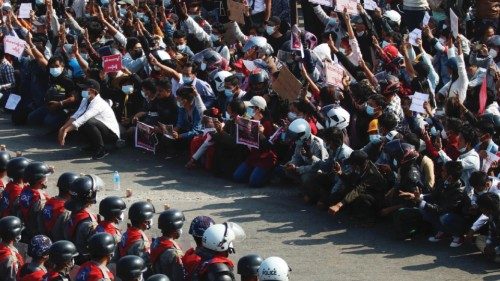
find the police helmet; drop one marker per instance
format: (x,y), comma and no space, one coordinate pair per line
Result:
(62,252)
(16,167)
(111,207)
(130,268)
(101,245)
(171,220)
(249,265)
(35,172)
(10,228)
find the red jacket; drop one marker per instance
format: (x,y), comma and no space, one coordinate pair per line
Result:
(51,212)
(191,261)
(216,259)
(130,236)
(28,198)
(160,245)
(9,197)
(111,228)
(90,271)
(7,253)
(33,276)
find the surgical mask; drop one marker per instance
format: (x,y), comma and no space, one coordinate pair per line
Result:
(269,30)
(145,19)
(203,66)
(167,3)
(18,238)
(85,94)
(370,110)
(55,71)
(214,37)
(333,21)
(463,149)
(385,44)
(179,104)
(443,134)
(104,2)
(375,138)
(123,11)
(143,95)
(359,34)
(187,80)
(121,217)
(434,132)
(292,116)
(181,47)
(127,89)
(228,93)
(250,112)
(493,53)
(40,2)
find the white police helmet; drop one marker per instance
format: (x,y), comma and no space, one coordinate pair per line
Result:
(275,269)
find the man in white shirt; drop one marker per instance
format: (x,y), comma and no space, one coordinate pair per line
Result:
(94,119)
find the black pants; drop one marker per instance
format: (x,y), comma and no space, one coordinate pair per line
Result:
(97,134)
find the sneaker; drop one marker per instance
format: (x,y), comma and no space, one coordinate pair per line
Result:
(100,154)
(438,237)
(457,241)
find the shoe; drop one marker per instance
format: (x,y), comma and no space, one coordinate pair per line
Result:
(438,237)
(121,143)
(457,241)
(100,154)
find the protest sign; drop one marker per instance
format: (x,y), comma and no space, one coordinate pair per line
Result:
(236,11)
(488,161)
(454,23)
(287,86)
(414,35)
(427,18)
(350,5)
(370,5)
(145,137)
(14,46)
(334,73)
(25,10)
(417,102)
(277,134)
(322,2)
(112,63)
(12,101)
(247,132)
(295,42)
(249,65)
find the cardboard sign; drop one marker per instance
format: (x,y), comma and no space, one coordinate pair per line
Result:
(417,102)
(427,18)
(414,35)
(350,5)
(12,101)
(112,63)
(370,5)
(454,23)
(25,10)
(236,11)
(334,73)
(247,132)
(14,46)
(287,86)
(328,3)
(145,137)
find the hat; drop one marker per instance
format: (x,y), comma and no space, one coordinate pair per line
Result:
(393,16)
(90,84)
(130,2)
(6,6)
(391,50)
(41,20)
(274,21)
(257,101)
(373,126)
(357,157)
(39,246)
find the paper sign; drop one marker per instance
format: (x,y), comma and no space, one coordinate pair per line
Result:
(14,46)
(414,35)
(287,86)
(454,23)
(370,5)
(488,161)
(350,5)
(236,11)
(250,65)
(295,42)
(426,19)
(112,63)
(24,10)
(274,137)
(322,2)
(247,132)
(334,73)
(12,101)
(145,137)
(417,102)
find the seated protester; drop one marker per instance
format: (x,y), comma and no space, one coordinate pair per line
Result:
(275,37)
(233,91)
(469,158)
(387,123)
(303,109)
(338,117)
(202,147)
(481,183)
(489,204)
(94,119)
(61,98)
(38,250)
(375,106)
(135,60)
(447,136)
(7,77)
(187,78)
(425,164)
(309,149)
(192,259)
(319,188)
(260,163)
(364,188)
(180,41)
(225,143)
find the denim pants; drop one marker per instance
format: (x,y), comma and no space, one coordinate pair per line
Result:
(42,116)
(255,176)
(451,223)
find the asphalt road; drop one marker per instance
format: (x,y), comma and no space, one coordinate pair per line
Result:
(316,246)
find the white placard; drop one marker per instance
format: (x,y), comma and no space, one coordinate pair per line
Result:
(427,18)
(417,102)
(488,161)
(414,35)
(370,5)
(334,73)
(454,23)
(322,2)
(250,65)
(25,10)
(12,101)
(14,46)
(350,5)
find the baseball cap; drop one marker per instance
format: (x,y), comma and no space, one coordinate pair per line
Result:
(357,157)
(257,101)
(90,84)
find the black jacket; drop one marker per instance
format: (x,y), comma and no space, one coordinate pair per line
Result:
(447,198)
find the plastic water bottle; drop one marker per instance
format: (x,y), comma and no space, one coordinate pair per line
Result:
(116,180)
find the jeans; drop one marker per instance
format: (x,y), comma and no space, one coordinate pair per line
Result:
(257,177)
(448,223)
(97,134)
(43,116)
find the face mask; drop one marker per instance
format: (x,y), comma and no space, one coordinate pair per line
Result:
(492,53)
(269,30)
(463,149)
(359,34)
(167,3)
(342,50)
(228,93)
(123,11)
(250,112)
(179,104)
(85,94)
(143,95)
(203,66)
(385,44)
(375,138)
(18,238)
(56,71)
(214,37)
(180,232)
(444,135)
(71,263)
(128,89)
(292,116)
(87,15)
(395,162)
(121,217)
(187,80)
(181,47)
(40,2)
(136,54)
(145,19)
(333,21)
(434,132)
(370,110)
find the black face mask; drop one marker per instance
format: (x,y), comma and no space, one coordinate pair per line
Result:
(136,54)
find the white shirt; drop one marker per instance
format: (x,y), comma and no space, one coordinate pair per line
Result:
(258,7)
(470,163)
(459,86)
(98,109)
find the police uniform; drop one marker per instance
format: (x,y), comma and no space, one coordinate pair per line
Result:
(91,271)
(134,242)
(31,202)
(111,228)
(190,260)
(79,228)
(50,216)
(203,269)
(166,258)
(56,276)
(32,272)
(10,198)
(10,262)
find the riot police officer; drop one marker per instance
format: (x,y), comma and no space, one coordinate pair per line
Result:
(166,254)
(158,277)
(248,267)
(134,240)
(130,268)
(101,248)
(274,269)
(62,256)
(4,159)
(112,210)
(38,250)
(10,260)
(192,258)
(10,195)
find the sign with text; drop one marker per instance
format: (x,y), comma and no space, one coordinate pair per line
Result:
(417,102)
(25,10)
(236,11)
(350,5)
(14,46)
(414,35)
(334,73)
(370,5)
(287,86)
(112,63)
(247,132)
(145,137)
(454,23)
(12,101)
(322,2)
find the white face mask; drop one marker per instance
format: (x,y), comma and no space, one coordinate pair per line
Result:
(342,50)
(180,232)
(150,224)
(359,34)
(18,238)
(127,89)
(121,217)
(292,116)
